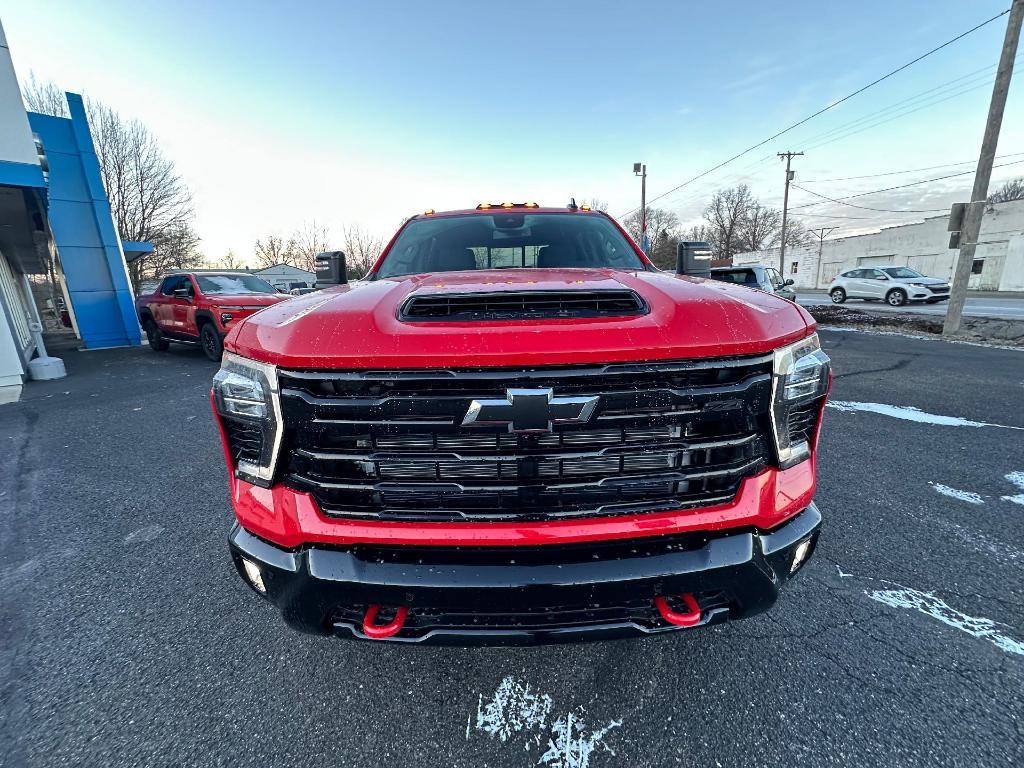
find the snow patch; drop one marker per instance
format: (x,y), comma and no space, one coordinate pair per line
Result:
(1017,478)
(930,605)
(571,746)
(954,493)
(515,709)
(512,710)
(909,413)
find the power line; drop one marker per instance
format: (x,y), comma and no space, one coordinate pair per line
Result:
(863,207)
(821,111)
(907,170)
(890,189)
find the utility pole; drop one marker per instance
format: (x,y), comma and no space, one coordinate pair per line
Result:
(640,169)
(821,234)
(785,209)
(976,209)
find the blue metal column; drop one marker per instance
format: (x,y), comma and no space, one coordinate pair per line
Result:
(83,230)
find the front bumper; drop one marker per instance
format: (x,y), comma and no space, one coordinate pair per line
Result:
(524,595)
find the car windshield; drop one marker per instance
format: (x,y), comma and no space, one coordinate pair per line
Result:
(508,240)
(738,276)
(900,272)
(233,284)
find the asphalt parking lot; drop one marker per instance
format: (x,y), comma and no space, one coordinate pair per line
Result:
(126,638)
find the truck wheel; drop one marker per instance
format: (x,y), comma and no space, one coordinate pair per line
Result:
(156,339)
(211,342)
(838,295)
(896,297)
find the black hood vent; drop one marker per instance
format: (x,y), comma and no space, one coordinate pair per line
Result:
(521,305)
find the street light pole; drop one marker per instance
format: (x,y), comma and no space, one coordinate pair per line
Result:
(976,209)
(640,169)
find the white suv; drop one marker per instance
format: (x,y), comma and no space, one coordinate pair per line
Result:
(893,284)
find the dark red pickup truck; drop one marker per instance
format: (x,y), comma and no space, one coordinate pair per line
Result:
(516,429)
(201,307)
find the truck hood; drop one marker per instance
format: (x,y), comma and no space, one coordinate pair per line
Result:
(245,299)
(358,326)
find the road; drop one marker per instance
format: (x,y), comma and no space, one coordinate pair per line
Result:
(127,639)
(1001,307)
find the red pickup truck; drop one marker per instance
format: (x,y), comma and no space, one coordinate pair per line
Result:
(516,429)
(201,307)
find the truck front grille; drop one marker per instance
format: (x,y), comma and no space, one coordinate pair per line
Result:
(391,445)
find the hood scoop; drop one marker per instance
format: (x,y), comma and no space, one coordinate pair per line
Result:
(521,305)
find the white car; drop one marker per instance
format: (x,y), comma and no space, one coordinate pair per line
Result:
(894,285)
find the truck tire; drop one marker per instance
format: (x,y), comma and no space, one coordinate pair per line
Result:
(156,339)
(211,342)
(838,295)
(897,297)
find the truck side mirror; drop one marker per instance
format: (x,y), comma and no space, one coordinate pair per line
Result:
(788,282)
(330,269)
(693,258)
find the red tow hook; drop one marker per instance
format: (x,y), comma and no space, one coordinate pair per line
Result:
(380,631)
(690,619)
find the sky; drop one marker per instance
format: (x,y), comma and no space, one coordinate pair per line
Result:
(279,115)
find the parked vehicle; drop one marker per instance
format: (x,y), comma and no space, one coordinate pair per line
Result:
(516,429)
(893,284)
(201,307)
(765,279)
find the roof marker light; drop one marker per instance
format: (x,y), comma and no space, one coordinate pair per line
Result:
(508,205)
(531,205)
(483,206)
(428,212)
(584,207)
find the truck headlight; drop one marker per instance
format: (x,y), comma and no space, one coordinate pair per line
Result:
(800,383)
(246,395)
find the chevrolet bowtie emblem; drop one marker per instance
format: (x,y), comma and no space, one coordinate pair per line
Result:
(530,410)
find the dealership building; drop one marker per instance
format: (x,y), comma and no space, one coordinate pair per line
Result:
(61,259)
(924,246)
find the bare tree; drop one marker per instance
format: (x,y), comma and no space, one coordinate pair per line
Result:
(760,228)
(796,234)
(361,250)
(661,224)
(308,241)
(696,233)
(1011,190)
(273,250)
(231,261)
(725,215)
(44,97)
(179,250)
(148,199)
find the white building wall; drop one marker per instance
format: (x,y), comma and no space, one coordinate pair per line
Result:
(16,144)
(921,246)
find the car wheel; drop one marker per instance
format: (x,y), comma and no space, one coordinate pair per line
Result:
(156,339)
(211,342)
(896,297)
(838,295)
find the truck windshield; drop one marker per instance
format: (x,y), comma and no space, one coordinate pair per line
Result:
(508,240)
(233,284)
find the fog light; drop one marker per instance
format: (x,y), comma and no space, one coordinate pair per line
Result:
(252,572)
(799,555)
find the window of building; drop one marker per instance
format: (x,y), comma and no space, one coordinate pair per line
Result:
(977,266)
(793,267)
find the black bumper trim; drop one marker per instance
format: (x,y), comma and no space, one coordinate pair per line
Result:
(319,590)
